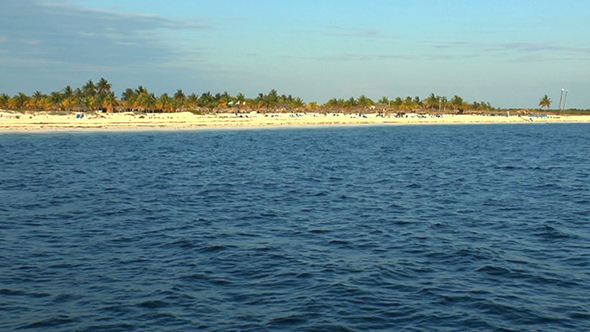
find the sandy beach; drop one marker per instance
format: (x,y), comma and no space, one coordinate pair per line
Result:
(10,121)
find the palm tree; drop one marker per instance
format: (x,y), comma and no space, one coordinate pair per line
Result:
(147,100)
(332,103)
(89,89)
(37,99)
(206,100)
(364,101)
(78,93)
(140,89)
(179,95)
(350,103)
(180,99)
(128,95)
(297,102)
(456,102)
(103,87)
(4,99)
(432,101)
(166,103)
(409,104)
(545,102)
(273,97)
(398,102)
(20,100)
(56,98)
(444,102)
(68,92)
(46,104)
(224,99)
(192,100)
(109,102)
(241,98)
(93,102)
(69,103)
(418,102)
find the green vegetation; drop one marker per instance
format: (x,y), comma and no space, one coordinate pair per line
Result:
(100,97)
(545,102)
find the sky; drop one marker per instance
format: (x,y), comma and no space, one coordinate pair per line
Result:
(506,52)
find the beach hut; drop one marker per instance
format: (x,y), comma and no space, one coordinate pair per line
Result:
(80,108)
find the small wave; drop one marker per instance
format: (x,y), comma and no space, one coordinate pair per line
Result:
(319,231)
(339,242)
(494,270)
(287,321)
(9,292)
(153,304)
(48,323)
(214,248)
(551,233)
(111,327)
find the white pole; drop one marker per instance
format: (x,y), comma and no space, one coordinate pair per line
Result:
(564,100)
(560,99)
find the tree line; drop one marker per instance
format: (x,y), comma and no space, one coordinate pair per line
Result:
(100,96)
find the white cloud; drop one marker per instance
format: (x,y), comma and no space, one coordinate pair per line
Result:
(79,35)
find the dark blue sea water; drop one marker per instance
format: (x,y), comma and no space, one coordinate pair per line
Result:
(394,228)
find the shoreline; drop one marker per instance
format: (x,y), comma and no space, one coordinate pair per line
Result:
(43,122)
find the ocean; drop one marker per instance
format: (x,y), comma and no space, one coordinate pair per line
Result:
(380,228)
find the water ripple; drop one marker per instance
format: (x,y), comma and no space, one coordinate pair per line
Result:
(437,228)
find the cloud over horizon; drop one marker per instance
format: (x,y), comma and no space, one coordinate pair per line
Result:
(41,33)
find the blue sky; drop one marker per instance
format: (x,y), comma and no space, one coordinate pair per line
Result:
(509,53)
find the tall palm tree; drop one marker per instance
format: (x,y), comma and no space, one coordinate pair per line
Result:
(241,98)
(4,99)
(180,99)
(456,102)
(444,102)
(297,102)
(69,103)
(409,104)
(166,103)
(225,97)
(68,92)
(109,101)
(418,102)
(93,102)
(78,93)
(103,87)
(397,103)
(545,102)
(384,100)
(20,101)
(140,89)
(37,99)
(128,95)
(432,101)
(350,103)
(364,101)
(56,98)
(192,100)
(273,97)
(179,95)
(89,89)
(147,101)
(46,104)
